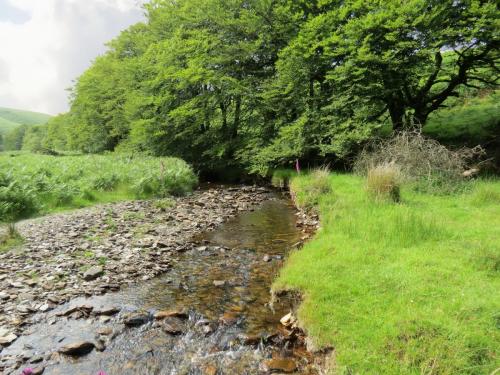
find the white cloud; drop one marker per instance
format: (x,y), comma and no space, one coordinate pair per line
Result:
(41,57)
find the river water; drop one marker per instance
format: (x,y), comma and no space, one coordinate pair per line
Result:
(223,283)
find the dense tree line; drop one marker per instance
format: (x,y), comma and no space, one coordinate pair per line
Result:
(260,83)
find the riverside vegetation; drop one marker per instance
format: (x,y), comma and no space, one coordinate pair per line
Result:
(36,184)
(409,287)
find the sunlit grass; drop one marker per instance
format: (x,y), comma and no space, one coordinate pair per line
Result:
(401,288)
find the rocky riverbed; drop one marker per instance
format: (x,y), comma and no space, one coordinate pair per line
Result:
(54,288)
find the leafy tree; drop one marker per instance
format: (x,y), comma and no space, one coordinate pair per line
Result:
(401,59)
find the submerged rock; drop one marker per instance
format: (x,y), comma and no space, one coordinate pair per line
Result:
(173,326)
(171,313)
(135,319)
(286,365)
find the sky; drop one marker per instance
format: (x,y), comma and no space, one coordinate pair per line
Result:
(46,44)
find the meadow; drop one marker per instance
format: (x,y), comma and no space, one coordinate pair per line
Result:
(399,288)
(37,184)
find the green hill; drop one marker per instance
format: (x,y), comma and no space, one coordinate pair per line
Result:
(10,118)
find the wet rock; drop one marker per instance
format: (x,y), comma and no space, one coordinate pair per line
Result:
(76,311)
(210,370)
(173,326)
(93,273)
(135,319)
(105,331)
(6,337)
(219,283)
(229,318)
(288,320)
(100,346)
(36,359)
(284,365)
(250,339)
(77,348)
(107,310)
(182,314)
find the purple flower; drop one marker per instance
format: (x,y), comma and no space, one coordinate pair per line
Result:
(101,373)
(27,371)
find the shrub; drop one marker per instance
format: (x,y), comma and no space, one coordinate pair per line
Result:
(105,182)
(422,162)
(383,182)
(16,202)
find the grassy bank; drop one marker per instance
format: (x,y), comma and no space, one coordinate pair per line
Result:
(36,184)
(409,288)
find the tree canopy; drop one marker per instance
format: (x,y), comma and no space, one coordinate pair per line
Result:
(260,83)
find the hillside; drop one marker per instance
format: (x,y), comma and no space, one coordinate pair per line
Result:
(10,118)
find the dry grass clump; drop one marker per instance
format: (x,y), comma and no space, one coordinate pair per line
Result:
(383,183)
(422,162)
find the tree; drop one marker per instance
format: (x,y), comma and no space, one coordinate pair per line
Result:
(404,59)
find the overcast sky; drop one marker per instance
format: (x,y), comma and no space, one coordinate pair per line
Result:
(46,44)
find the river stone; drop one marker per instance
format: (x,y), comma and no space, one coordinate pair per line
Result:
(77,348)
(210,370)
(219,282)
(286,365)
(171,313)
(173,326)
(6,338)
(93,273)
(105,331)
(107,310)
(135,319)
(288,320)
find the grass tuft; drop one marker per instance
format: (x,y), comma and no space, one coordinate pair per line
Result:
(382,183)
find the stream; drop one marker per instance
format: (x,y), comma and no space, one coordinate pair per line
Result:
(209,314)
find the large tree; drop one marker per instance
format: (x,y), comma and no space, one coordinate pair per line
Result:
(401,58)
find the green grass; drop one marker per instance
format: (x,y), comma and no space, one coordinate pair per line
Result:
(11,118)
(31,184)
(408,288)
(471,122)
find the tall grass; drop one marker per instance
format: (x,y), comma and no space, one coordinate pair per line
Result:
(32,184)
(382,182)
(307,190)
(409,288)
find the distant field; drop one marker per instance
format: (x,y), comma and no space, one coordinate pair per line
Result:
(10,118)
(32,185)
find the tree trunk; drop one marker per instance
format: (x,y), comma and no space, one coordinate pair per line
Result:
(223,109)
(397,113)
(237,118)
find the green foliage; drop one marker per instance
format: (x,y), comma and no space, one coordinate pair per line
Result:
(254,85)
(32,184)
(405,288)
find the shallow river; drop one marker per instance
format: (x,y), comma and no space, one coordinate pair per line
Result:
(223,283)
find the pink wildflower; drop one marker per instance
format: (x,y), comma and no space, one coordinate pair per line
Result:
(27,371)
